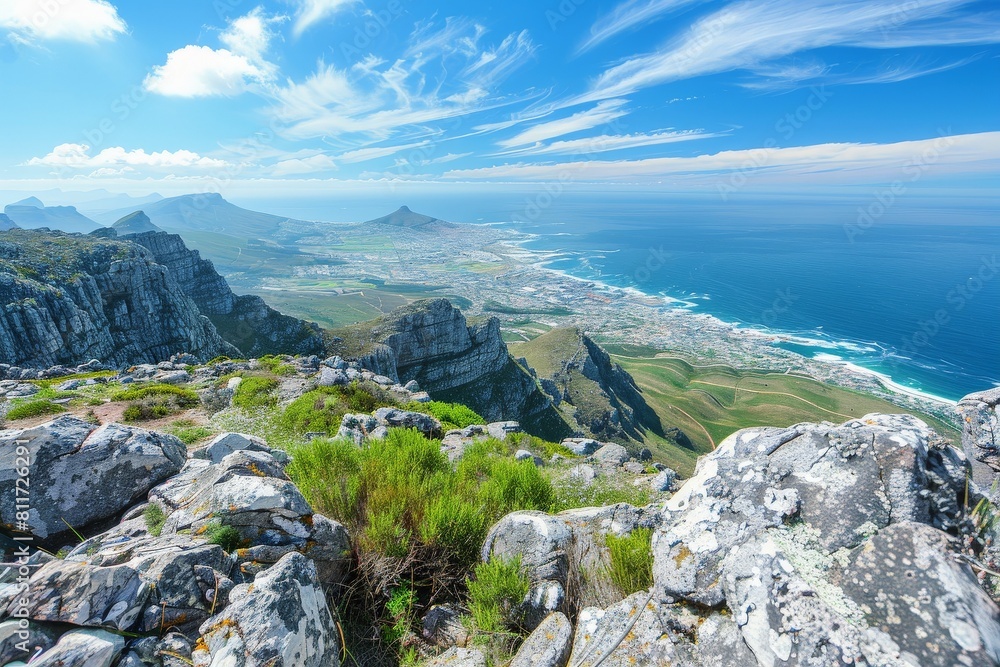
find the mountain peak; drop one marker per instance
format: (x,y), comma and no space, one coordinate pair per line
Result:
(404,217)
(135,223)
(404,209)
(33,202)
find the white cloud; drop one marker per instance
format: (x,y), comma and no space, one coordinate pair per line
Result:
(748,34)
(602,113)
(201,71)
(376,99)
(70,20)
(606,143)
(834,162)
(77,156)
(628,15)
(375,152)
(311,12)
(307,165)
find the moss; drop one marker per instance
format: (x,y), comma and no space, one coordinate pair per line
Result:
(36,408)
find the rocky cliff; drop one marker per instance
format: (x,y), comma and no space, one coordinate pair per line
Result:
(594,393)
(431,342)
(244,321)
(69,298)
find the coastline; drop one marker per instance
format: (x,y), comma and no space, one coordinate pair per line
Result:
(829,368)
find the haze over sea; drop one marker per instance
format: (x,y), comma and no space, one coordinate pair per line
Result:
(912,293)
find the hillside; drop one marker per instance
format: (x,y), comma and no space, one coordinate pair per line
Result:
(135,223)
(404,217)
(31,213)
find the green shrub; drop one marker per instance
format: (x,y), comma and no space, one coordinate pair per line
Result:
(225,536)
(182,397)
(190,434)
(35,408)
(451,415)
(400,608)
(631,560)
(255,392)
(155,518)
(322,409)
(496,593)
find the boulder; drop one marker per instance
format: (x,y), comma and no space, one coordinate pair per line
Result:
(357,428)
(20,643)
(83,648)
(442,626)
(332,377)
(629,633)
(980,415)
(458,657)
(396,418)
(282,620)
(500,430)
(548,646)
(225,444)
(80,473)
(612,454)
(581,446)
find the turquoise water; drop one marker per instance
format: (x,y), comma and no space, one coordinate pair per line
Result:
(914,294)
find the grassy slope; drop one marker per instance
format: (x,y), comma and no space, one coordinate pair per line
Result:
(710,402)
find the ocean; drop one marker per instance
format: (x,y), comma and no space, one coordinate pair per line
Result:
(910,290)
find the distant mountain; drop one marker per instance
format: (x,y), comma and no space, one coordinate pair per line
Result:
(404,217)
(204,213)
(31,213)
(95,204)
(135,223)
(6,223)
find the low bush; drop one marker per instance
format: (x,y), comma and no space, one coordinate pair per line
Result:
(322,410)
(155,518)
(36,408)
(631,560)
(182,397)
(451,415)
(255,392)
(225,536)
(496,592)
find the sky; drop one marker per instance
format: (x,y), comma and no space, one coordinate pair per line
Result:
(673,95)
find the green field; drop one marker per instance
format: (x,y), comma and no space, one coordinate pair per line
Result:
(709,402)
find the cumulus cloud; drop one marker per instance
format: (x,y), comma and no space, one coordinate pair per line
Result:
(68,20)
(201,71)
(77,156)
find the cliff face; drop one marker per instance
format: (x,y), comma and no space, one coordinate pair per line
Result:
(67,299)
(431,342)
(596,394)
(244,321)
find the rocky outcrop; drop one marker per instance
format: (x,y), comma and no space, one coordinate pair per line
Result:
(431,342)
(244,321)
(6,223)
(66,299)
(599,397)
(980,415)
(79,474)
(134,223)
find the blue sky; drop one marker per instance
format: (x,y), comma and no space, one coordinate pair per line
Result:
(684,95)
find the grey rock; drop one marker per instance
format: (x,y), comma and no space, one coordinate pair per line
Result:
(584,474)
(980,415)
(330,377)
(525,455)
(634,467)
(663,481)
(629,633)
(442,626)
(14,638)
(396,418)
(612,454)
(412,386)
(81,473)
(500,430)
(548,646)
(173,377)
(420,397)
(225,444)
(458,657)
(581,446)
(83,648)
(357,428)
(283,621)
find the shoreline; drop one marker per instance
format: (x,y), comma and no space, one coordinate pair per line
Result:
(684,306)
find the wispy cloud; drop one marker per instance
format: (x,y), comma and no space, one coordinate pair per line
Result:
(831,162)
(311,12)
(787,76)
(77,156)
(748,34)
(606,143)
(601,114)
(201,71)
(375,99)
(629,15)
(68,20)
(306,165)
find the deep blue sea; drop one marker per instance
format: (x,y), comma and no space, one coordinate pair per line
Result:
(913,292)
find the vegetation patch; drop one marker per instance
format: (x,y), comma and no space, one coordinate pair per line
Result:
(451,415)
(36,408)
(155,518)
(255,392)
(495,594)
(323,409)
(631,560)
(225,536)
